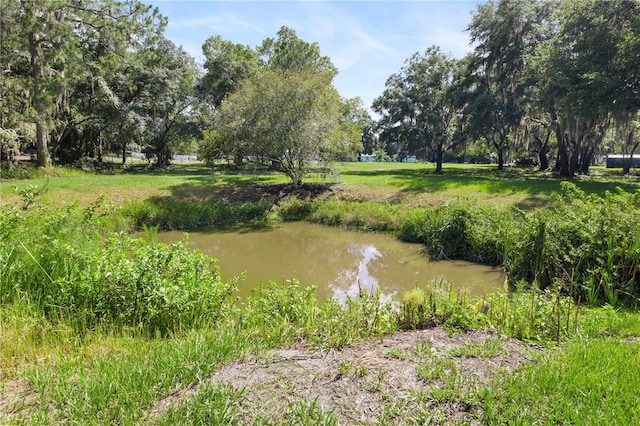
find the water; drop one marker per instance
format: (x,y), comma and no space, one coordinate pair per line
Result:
(338,262)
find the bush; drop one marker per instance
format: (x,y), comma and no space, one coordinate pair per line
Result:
(293,208)
(69,266)
(170,214)
(589,246)
(158,288)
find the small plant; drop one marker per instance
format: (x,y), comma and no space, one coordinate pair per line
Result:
(309,414)
(488,348)
(396,353)
(414,310)
(361,371)
(344,368)
(377,385)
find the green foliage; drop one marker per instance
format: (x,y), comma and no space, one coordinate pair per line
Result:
(436,306)
(212,405)
(366,216)
(588,246)
(283,313)
(293,208)
(590,382)
(532,316)
(418,106)
(309,414)
(460,231)
(94,277)
(283,119)
(159,288)
(171,214)
(488,348)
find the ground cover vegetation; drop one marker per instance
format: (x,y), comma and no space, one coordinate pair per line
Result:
(99,326)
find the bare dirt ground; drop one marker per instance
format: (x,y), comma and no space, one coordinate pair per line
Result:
(425,376)
(16,397)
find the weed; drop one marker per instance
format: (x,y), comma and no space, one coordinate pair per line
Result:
(361,371)
(396,353)
(211,405)
(309,414)
(488,348)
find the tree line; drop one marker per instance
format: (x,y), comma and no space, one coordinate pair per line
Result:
(556,79)
(546,78)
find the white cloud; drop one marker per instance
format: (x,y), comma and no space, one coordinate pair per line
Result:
(367,41)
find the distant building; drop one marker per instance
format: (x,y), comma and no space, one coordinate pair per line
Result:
(617,161)
(366,158)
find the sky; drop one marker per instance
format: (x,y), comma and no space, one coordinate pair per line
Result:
(368,41)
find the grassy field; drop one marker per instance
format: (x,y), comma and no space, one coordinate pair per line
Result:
(416,180)
(98,328)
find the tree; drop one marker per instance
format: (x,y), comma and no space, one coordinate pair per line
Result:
(168,96)
(56,37)
(288,52)
(418,104)
(505,33)
(589,77)
(283,119)
(45,37)
(227,64)
(353,122)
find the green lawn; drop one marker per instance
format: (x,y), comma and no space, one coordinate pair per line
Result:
(459,181)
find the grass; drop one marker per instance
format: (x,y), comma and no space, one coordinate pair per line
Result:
(476,182)
(53,370)
(591,381)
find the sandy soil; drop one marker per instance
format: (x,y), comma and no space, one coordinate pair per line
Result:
(371,381)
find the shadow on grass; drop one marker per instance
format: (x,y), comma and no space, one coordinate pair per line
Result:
(236,191)
(511,180)
(222,184)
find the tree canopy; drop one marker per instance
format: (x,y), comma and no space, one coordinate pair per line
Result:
(555,80)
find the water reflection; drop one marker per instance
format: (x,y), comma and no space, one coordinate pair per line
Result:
(340,263)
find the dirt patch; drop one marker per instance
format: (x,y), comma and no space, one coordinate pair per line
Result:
(418,375)
(16,398)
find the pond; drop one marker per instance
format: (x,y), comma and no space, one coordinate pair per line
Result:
(337,261)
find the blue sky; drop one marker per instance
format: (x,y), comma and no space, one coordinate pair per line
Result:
(367,40)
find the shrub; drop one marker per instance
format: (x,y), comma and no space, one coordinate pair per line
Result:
(169,214)
(293,208)
(66,264)
(283,313)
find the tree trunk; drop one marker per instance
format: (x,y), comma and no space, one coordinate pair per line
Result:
(99,153)
(238,160)
(42,151)
(439,155)
(562,165)
(543,149)
(542,157)
(500,151)
(626,167)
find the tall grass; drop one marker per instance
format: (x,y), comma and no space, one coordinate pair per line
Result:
(170,214)
(288,312)
(73,268)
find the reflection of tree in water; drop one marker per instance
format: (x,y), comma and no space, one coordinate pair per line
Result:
(359,276)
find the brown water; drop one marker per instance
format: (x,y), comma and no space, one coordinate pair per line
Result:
(337,261)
